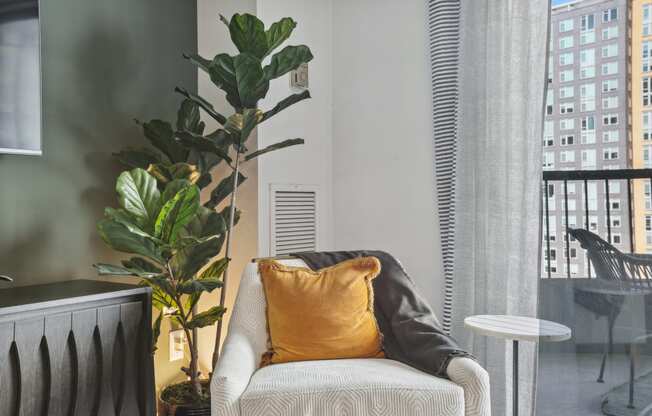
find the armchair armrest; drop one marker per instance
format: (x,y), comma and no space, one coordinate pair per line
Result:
(237,363)
(474,379)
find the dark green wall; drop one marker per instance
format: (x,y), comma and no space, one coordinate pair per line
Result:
(104,63)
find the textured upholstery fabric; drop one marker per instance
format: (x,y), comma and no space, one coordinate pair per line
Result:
(364,387)
(321,315)
(237,387)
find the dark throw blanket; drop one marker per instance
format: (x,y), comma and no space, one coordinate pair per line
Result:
(412,333)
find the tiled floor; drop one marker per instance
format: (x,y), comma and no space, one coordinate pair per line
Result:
(567,382)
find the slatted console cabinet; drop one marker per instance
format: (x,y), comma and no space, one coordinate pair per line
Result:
(76,348)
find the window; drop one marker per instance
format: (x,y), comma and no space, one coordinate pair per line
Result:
(610,68)
(572,250)
(588,123)
(566,108)
(566,76)
(648,199)
(553,254)
(647,91)
(610,136)
(587,72)
(587,104)
(566,42)
(610,153)
(567,124)
(647,125)
(588,137)
(592,193)
(566,59)
(587,37)
(647,156)
(610,15)
(567,156)
(588,130)
(566,92)
(615,205)
(616,238)
(593,222)
(609,85)
(646,56)
(610,119)
(587,57)
(647,19)
(549,160)
(548,141)
(614,187)
(587,22)
(588,159)
(570,187)
(587,97)
(566,25)
(610,51)
(616,222)
(648,223)
(609,103)
(610,33)
(567,140)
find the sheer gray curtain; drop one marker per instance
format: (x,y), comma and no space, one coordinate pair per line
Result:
(502,78)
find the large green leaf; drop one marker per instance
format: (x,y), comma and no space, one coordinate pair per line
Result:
(123,217)
(161,135)
(203,144)
(215,270)
(223,190)
(197,286)
(251,81)
(288,59)
(278,33)
(188,261)
(207,318)
(138,194)
(172,188)
(141,265)
(118,237)
(248,34)
(199,61)
(226,214)
(188,117)
(176,213)
(156,332)
(285,103)
(272,147)
(137,158)
(104,269)
(223,74)
(206,223)
(205,105)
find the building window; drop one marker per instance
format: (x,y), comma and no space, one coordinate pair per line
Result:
(646,56)
(610,68)
(566,92)
(609,85)
(614,187)
(647,19)
(567,140)
(610,136)
(549,160)
(567,156)
(610,153)
(616,222)
(567,124)
(647,91)
(548,141)
(587,22)
(610,119)
(566,42)
(610,51)
(566,76)
(615,205)
(587,72)
(587,57)
(648,198)
(588,159)
(587,37)
(610,15)
(566,25)
(647,125)
(616,239)
(566,59)
(647,156)
(610,33)
(609,103)
(566,108)
(588,123)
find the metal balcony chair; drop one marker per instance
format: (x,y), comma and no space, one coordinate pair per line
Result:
(620,275)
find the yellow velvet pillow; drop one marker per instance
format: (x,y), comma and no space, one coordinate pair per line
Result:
(320,315)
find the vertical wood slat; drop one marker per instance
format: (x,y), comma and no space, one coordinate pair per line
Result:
(131,315)
(107,323)
(34,392)
(87,361)
(8,379)
(57,334)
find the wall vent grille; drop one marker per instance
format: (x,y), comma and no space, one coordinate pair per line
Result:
(294,219)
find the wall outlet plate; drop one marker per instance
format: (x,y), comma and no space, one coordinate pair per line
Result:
(299,77)
(177,345)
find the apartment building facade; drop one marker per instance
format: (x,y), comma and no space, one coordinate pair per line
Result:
(586,126)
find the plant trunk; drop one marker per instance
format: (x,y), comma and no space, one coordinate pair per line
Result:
(194,364)
(218,334)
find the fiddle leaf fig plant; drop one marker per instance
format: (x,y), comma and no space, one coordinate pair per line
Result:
(172,237)
(161,219)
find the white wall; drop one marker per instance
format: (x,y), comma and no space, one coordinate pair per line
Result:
(311,119)
(383,172)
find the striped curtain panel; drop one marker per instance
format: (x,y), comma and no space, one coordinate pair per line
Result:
(443,30)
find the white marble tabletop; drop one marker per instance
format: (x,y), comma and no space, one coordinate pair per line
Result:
(519,328)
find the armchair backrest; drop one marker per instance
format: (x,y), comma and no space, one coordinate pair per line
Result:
(609,263)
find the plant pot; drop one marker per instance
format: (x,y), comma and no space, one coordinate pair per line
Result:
(172,401)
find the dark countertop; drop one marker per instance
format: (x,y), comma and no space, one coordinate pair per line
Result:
(23,298)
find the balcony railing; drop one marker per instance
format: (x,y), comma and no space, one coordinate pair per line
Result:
(603,203)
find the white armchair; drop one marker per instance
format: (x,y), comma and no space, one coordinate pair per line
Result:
(365,387)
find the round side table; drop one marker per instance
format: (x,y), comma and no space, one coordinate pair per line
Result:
(517,328)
